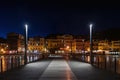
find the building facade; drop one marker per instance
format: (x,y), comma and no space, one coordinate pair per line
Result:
(104,45)
(115,45)
(15,43)
(36,45)
(3,46)
(61,44)
(64,43)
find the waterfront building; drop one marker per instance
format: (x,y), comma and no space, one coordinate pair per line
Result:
(15,42)
(115,45)
(61,43)
(103,45)
(3,46)
(36,44)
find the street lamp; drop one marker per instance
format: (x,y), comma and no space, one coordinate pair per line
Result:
(26,38)
(91,61)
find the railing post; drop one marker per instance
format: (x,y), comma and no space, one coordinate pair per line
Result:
(98,61)
(6,63)
(18,59)
(93,59)
(115,64)
(1,66)
(84,57)
(15,62)
(32,58)
(110,63)
(29,58)
(11,62)
(105,62)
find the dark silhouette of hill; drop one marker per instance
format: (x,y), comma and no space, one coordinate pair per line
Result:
(110,34)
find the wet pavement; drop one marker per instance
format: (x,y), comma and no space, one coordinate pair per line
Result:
(59,69)
(85,71)
(31,71)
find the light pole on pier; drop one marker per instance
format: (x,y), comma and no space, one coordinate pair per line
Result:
(91,44)
(26,42)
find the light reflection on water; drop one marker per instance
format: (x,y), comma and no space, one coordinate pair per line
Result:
(8,62)
(3,63)
(109,62)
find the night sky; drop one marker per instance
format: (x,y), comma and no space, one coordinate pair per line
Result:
(45,18)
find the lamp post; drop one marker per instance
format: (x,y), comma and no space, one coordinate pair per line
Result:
(26,41)
(91,44)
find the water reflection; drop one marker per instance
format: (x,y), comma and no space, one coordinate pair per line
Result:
(109,62)
(8,62)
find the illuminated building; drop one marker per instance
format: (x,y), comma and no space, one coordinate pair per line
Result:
(52,44)
(15,42)
(69,41)
(3,46)
(103,45)
(115,45)
(61,44)
(95,45)
(55,43)
(80,44)
(87,45)
(36,45)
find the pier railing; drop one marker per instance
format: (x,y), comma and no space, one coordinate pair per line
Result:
(11,61)
(103,61)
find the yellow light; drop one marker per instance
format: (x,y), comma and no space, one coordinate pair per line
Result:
(19,49)
(2,50)
(88,49)
(88,58)
(67,47)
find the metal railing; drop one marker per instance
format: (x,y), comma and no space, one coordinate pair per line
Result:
(8,62)
(108,62)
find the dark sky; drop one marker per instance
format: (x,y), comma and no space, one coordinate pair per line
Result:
(56,17)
